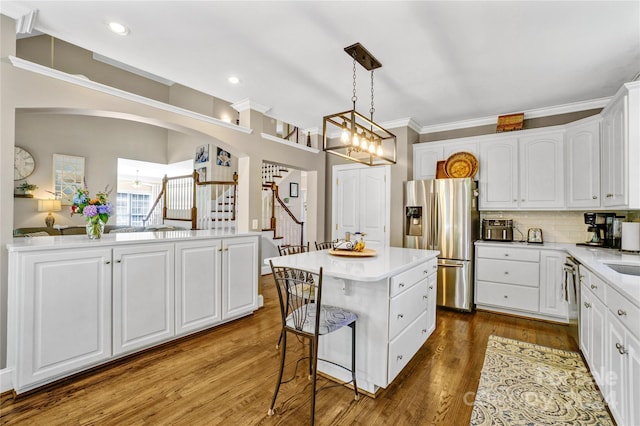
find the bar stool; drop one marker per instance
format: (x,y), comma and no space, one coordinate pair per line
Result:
(324,245)
(287,249)
(309,319)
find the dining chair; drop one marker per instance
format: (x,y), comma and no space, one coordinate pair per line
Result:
(287,249)
(324,245)
(309,319)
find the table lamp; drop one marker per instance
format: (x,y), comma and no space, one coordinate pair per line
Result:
(49,206)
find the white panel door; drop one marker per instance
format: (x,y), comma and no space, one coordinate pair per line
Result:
(614,164)
(373,208)
(198,291)
(552,297)
(143,296)
(361,203)
(425,160)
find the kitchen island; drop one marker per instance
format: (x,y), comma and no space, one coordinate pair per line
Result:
(75,303)
(394,295)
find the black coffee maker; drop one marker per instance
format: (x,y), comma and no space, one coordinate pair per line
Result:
(600,228)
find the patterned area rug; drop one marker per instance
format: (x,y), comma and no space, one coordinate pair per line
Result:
(526,384)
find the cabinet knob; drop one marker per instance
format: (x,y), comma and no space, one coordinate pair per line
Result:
(430,287)
(609,195)
(506,297)
(399,357)
(424,330)
(425,272)
(400,316)
(506,255)
(425,297)
(506,272)
(595,197)
(621,312)
(593,286)
(119,261)
(401,285)
(621,349)
(108,262)
(587,304)
(515,200)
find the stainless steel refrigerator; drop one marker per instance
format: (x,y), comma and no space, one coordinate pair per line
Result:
(442,214)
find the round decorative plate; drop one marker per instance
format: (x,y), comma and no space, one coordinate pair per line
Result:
(350,253)
(461,165)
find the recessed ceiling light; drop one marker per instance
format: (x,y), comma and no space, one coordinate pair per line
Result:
(118,28)
(234,80)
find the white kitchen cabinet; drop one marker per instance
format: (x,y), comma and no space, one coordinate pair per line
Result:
(426,155)
(498,174)
(592,332)
(63,313)
(552,293)
(143,296)
(620,174)
(198,295)
(623,366)
(541,170)
(239,276)
(582,163)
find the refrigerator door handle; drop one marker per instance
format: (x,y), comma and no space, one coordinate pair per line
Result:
(449,265)
(435,223)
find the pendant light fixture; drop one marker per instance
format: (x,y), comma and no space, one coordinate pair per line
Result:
(353,136)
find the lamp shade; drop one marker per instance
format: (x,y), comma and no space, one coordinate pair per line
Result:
(49,205)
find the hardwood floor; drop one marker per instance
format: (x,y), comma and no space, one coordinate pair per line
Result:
(226,376)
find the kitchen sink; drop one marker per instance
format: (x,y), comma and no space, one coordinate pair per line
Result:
(625,268)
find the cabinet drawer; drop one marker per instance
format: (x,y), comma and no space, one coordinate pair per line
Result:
(593,283)
(406,307)
(509,272)
(509,252)
(624,310)
(507,296)
(404,347)
(406,279)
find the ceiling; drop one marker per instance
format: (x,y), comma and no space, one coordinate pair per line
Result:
(443,62)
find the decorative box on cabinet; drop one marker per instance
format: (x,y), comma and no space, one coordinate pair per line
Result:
(61,313)
(143,295)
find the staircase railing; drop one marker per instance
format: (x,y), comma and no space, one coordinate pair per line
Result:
(283,222)
(201,203)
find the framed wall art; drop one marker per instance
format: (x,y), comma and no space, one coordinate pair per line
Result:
(68,176)
(202,154)
(293,190)
(223,158)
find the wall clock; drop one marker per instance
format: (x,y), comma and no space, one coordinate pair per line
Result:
(23,164)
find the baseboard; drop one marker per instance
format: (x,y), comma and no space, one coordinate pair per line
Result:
(260,301)
(6,380)
(265,270)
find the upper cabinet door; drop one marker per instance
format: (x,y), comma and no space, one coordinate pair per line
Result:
(582,165)
(614,164)
(499,174)
(542,171)
(425,160)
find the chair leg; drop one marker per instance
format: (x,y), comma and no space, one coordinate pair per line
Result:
(353,359)
(311,367)
(279,339)
(283,335)
(314,361)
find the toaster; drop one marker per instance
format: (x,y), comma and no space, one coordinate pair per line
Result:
(497,229)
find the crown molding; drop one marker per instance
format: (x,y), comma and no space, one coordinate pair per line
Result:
(99,87)
(402,122)
(247,103)
(532,113)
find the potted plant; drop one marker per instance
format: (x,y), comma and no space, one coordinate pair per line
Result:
(27,188)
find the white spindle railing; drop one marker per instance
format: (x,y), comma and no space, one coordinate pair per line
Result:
(179,198)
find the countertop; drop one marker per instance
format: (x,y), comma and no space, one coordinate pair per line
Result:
(24,244)
(388,261)
(595,259)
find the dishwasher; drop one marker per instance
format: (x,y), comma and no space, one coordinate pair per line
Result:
(571,293)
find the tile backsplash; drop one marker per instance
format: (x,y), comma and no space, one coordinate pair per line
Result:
(557,226)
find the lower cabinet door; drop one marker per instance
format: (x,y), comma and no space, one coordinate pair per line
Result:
(143,296)
(240,276)
(405,346)
(65,321)
(198,291)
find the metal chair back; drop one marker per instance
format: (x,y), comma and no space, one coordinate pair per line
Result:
(285,250)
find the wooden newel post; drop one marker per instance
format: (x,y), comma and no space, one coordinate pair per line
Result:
(194,209)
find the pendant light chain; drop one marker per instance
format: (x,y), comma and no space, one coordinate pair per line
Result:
(354,98)
(372,110)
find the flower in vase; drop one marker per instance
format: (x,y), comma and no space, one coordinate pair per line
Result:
(93,209)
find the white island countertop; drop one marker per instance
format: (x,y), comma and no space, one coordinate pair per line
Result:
(388,261)
(124,238)
(594,258)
